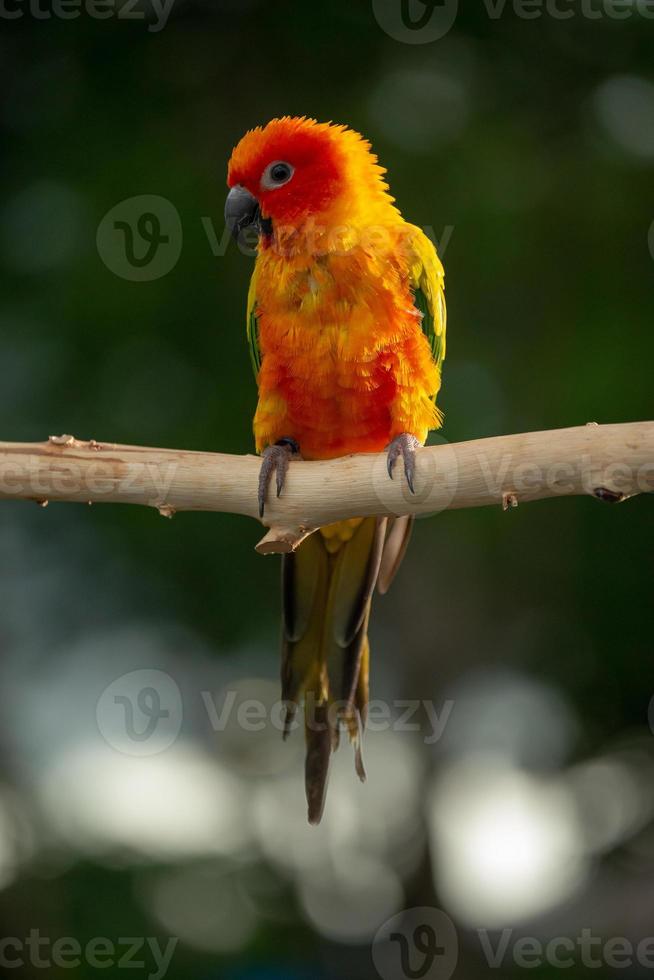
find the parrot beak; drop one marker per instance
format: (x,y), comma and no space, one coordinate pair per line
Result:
(242,211)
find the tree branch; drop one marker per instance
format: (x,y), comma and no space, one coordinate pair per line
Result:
(609,462)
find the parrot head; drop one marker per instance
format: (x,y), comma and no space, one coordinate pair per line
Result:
(295,169)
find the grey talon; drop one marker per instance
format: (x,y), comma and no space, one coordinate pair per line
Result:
(406,445)
(275,459)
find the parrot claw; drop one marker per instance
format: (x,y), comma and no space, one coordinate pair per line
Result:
(404,445)
(275,460)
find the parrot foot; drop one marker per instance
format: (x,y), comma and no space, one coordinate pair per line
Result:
(275,460)
(404,445)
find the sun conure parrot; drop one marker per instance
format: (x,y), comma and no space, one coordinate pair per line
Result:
(346,329)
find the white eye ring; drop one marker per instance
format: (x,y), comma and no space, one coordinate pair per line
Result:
(276,174)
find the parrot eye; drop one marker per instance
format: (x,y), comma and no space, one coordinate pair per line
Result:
(276,173)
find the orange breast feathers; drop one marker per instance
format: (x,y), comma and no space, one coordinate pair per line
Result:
(345,365)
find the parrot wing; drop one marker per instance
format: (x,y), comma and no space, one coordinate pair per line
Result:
(252,325)
(427,281)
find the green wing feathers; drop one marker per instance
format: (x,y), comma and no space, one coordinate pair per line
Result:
(427,279)
(252,327)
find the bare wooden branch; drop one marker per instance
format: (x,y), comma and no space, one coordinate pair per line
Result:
(609,462)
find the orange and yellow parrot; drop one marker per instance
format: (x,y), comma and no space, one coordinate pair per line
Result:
(346,329)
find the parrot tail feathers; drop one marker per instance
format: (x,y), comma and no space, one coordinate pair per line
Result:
(327,586)
(397,541)
(320,735)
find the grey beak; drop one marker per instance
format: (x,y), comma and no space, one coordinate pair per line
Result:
(242,211)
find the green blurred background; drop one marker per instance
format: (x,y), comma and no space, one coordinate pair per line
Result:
(525,145)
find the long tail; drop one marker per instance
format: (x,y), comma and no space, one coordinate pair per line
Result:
(327,587)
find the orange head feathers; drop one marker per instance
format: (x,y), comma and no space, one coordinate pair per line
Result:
(297,168)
